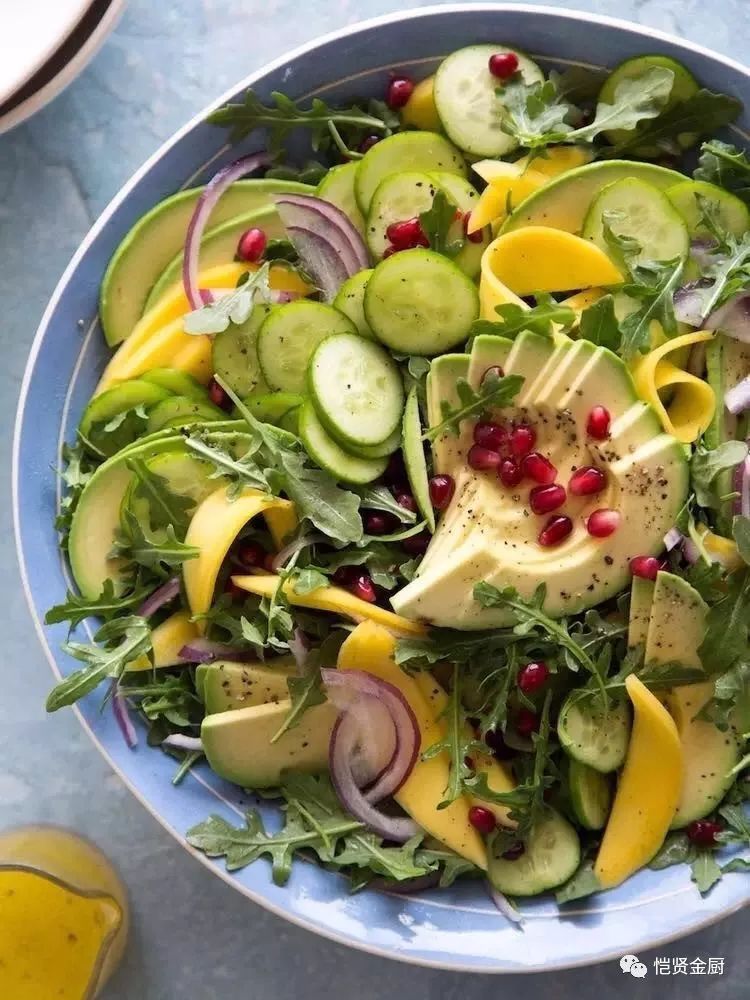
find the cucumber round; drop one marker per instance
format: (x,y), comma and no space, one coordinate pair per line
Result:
(414,459)
(469,99)
(733,213)
(350,300)
(464,196)
(683,87)
(419,302)
(270,407)
(234,353)
(385,448)
(592,735)
(178,411)
(401,196)
(553,853)
(289,336)
(337,187)
(104,409)
(177,382)
(290,421)
(639,211)
(329,455)
(421,151)
(357,390)
(590,795)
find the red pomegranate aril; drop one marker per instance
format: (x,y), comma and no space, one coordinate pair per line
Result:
(532,677)
(645,567)
(483,459)
(398,93)
(389,251)
(395,471)
(379,522)
(368,142)
(539,468)
(442,489)
(217,395)
(527,722)
(363,588)
(251,554)
(494,371)
(252,245)
(482,820)
(545,499)
(597,425)
(407,501)
(477,236)
(703,832)
(406,234)
(416,545)
(509,472)
(503,65)
(495,741)
(603,522)
(522,440)
(345,575)
(515,851)
(587,481)
(488,435)
(556,530)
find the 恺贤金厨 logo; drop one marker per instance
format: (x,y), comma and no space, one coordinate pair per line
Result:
(633,965)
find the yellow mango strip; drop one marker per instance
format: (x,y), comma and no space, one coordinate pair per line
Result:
(557,160)
(499,778)
(333,599)
(167,640)
(196,359)
(159,351)
(508,185)
(371,648)
(492,292)
(647,793)
(420,110)
(721,550)
(692,404)
(213,528)
(582,300)
(541,259)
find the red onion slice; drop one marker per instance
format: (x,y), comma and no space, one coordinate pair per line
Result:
(733,318)
(295,546)
(690,551)
(203,208)
(202,650)
(688,305)
(672,539)
(178,741)
(299,647)
(121,713)
(737,399)
(330,222)
(161,596)
(320,259)
(742,486)
(504,905)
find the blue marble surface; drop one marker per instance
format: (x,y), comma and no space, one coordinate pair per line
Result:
(192,936)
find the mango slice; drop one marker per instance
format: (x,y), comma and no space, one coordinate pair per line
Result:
(721,550)
(167,640)
(420,110)
(371,648)
(213,528)
(540,259)
(557,160)
(334,599)
(692,404)
(648,791)
(508,185)
(492,291)
(582,300)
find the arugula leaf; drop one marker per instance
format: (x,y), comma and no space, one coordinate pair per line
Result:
(582,883)
(381,559)
(438,225)
(540,319)
(493,392)
(677,849)
(653,284)
(159,553)
(311,172)
(165,507)
(741,535)
(216,448)
(703,113)
(115,434)
(738,826)
(452,866)
(78,469)
(706,465)
(116,644)
(730,703)
(736,865)
(459,742)
(599,324)
(304,692)
(727,627)
(381,498)
(705,871)
(234,308)
(305,581)
(107,605)
(167,696)
(319,499)
(723,164)
(727,267)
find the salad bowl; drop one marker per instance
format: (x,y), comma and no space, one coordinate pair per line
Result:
(457,928)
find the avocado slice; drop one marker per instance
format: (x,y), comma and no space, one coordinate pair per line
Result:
(675,631)
(641,602)
(238,744)
(226,685)
(158,236)
(442,379)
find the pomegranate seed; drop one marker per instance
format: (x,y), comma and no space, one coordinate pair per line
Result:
(539,468)
(482,459)
(526,722)
(533,677)
(587,481)
(522,440)
(477,236)
(603,522)
(442,489)
(556,530)
(494,372)
(491,436)
(345,575)
(482,819)
(545,499)
(235,593)
(368,142)
(379,522)
(503,65)
(515,851)
(251,554)
(395,472)
(252,245)
(363,588)
(509,472)
(406,234)
(268,563)
(217,396)
(416,545)
(703,832)
(398,93)
(597,425)
(494,740)
(645,566)
(407,501)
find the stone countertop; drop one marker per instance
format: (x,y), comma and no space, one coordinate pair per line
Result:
(192,936)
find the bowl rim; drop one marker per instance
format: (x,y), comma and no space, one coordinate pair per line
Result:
(306,923)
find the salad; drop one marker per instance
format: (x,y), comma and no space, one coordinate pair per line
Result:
(416,491)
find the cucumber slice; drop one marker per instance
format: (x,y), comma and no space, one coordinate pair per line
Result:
(385,448)
(185,475)
(350,300)
(684,86)
(422,151)
(553,853)
(733,214)
(419,302)
(357,390)
(290,421)
(414,459)
(465,197)
(114,403)
(469,99)
(321,447)
(177,382)
(234,353)
(270,407)
(398,197)
(590,734)
(289,336)
(590,795)
(640,211)
(178,411)
(337,187)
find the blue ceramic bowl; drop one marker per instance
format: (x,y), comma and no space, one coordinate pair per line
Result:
(457,928)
